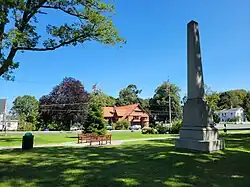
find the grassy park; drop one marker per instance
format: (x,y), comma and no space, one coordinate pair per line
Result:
(144,163)
(16,139)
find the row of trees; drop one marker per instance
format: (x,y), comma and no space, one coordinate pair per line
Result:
(228,99)
(70,104)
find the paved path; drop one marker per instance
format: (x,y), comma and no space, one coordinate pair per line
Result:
(74,144)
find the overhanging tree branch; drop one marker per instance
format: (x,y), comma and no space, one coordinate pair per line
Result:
(23,34)
(27,15)
(54,47)
(65,11)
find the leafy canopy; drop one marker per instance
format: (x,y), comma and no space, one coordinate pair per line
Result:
(19,19)
(159,104)
(129,95)
(95,122)
(66,104)
(25,107)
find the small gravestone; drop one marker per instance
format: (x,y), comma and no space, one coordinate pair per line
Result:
(198,132)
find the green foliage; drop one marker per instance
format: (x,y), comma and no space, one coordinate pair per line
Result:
(216,118)
(23,125)
(52,126)
(144,104)
(91,20)
(228,99)
(26,108)
(103,99)
(162,128)
(248,113)
(128,95)
(213,100)
(148,130)
(95,121)
(121,125)
(232,98)
(159,104)
(176,126)
(235,119)
(117,126)
(247,106)
(65,105)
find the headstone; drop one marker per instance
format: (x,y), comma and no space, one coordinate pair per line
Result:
(198,132)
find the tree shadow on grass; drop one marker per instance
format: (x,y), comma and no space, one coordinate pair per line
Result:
(147,164)
(8,139)
(72,137)
(237,140)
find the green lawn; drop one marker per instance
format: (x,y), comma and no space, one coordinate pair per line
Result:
(16,140)
(147,163)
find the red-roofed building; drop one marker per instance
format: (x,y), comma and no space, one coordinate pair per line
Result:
(133,113)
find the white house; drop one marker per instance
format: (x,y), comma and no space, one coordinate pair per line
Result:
(232,113)
(11,125)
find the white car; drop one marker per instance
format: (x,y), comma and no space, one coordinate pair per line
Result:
(135,127)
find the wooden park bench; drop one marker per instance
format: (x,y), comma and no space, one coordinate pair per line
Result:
(83,138)
(90,138)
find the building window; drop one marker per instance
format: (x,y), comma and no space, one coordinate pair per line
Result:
(136,117)
(9,125)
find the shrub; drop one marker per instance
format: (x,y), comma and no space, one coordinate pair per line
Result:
(148,130)
(52,126)
(176,126)
(124,123)
(113,125)
(121,125)
(162,128)
(118,126)
(26,126)
(216,118)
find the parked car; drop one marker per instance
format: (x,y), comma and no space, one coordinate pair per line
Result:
(74,128)
(109,127)
(135,127)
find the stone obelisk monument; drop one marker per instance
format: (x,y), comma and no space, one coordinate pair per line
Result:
(198,132)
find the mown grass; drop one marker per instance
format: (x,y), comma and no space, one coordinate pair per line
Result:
(16,139)
(154,163)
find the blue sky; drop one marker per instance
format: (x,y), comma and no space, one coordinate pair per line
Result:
(156,48)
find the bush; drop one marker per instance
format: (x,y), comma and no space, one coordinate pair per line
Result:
(25,126)
(148,130)
(118,126)
(121,125)
(216,118)
(52,126)
(176,126)
(162,128)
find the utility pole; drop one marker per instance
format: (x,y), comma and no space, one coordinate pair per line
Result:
(4,118)
(4,124)
(170,115)
(169,103)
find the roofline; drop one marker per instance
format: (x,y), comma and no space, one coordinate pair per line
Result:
(127,114)
(137,105)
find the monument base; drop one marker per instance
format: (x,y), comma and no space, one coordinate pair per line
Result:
(199,139)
